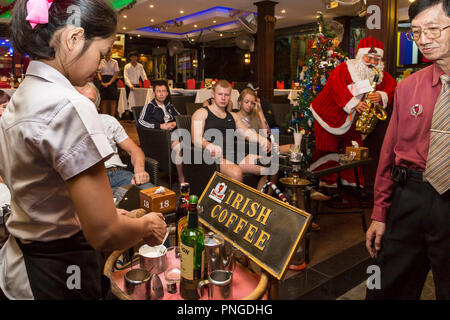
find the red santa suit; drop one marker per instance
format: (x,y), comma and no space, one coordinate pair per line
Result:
(334,108)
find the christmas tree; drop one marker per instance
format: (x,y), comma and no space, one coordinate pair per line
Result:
(325,56)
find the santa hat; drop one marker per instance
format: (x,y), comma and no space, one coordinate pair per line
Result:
(370,45)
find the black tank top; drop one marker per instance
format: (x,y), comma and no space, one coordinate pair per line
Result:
(213,122)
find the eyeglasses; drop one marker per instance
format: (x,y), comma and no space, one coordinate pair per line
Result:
(430,33)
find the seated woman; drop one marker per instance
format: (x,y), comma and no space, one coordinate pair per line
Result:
(251,114)
(160,114)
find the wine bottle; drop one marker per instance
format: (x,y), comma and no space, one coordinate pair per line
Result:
(181,211)
(191,247)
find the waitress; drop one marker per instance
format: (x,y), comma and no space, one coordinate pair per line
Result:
(107,74)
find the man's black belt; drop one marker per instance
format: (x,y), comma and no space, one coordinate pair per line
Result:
(401,175)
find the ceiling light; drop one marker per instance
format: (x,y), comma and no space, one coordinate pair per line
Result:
(139,35)
(124,28)
(412,0)
(152,20)
(195,26)
(125,17)
(221,35)
(283,11)
(181,11)
(214,21)
(152,6)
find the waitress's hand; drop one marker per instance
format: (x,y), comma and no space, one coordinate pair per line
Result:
(122,211)
(156,228)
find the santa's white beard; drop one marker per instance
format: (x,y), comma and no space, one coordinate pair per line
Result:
(359,70)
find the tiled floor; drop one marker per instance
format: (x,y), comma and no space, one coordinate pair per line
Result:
(359,292)
(338,257)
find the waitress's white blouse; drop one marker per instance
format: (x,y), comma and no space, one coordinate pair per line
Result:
(49,133)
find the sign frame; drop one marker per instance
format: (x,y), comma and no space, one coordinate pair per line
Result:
(264,266)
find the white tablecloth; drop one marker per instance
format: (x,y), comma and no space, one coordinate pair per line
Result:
(205,94)
(292,94)
(137,98)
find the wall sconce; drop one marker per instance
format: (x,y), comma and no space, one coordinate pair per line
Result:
(247,59)
(195,63)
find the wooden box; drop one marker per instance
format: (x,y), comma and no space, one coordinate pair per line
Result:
(157,202)
(361,153)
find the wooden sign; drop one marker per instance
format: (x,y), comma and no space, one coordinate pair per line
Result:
(266,229)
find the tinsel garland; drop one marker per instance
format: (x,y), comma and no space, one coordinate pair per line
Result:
(7,8)
(129,6)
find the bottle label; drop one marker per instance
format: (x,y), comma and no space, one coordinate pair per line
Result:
(182,224)
(187,262)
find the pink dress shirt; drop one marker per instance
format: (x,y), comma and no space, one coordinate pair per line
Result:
(407,139)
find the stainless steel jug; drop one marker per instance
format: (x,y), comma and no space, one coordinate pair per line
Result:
(216,254)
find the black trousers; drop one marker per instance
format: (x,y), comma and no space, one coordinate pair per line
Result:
(417,238)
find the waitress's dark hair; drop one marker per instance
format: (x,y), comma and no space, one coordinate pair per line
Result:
(421,5)
(96,17)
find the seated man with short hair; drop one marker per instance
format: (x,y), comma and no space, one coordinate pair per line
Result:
(117,174)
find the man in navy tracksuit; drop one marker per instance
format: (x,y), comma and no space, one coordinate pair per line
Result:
(160,114)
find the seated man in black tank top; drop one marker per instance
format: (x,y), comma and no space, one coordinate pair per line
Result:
(215,116)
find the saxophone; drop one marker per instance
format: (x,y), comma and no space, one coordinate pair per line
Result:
(368,119)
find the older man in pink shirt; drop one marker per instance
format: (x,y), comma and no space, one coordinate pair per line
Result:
(410,230)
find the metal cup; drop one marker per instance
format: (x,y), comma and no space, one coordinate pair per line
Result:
(153,259)
(137,283)
(219,284)
(216,257)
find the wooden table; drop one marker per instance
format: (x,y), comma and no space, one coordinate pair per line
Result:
(246,285)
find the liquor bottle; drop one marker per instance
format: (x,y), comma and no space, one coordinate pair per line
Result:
(191,247)
(182,210)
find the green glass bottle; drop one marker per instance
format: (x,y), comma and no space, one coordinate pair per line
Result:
(191,247)
(182,211)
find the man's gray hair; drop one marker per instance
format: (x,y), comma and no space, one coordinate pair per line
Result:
(90,84)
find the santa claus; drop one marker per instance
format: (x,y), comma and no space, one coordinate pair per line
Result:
(340,101)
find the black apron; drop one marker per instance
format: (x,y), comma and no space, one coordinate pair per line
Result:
(52,268)
(110,92)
